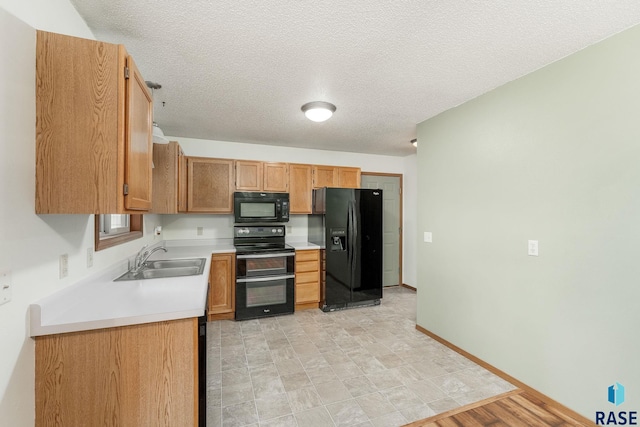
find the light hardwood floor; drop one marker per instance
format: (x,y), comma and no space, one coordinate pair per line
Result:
(514,408)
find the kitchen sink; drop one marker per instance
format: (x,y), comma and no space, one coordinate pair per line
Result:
(166,268)
(175,263)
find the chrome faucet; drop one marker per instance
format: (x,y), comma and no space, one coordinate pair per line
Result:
(143,255)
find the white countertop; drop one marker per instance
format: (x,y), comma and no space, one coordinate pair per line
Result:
(301,246)
(98,302)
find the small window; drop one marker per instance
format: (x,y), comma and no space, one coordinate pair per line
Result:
(113,225)
(112,230)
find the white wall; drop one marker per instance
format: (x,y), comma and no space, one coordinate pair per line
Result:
(220,226)
(29,244)
(552,157)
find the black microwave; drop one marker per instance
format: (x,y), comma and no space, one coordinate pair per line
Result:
(259,207)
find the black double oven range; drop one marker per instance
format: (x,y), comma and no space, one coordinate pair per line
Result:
(265,264)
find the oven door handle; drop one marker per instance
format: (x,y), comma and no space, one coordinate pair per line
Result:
(279,255)
(265,278)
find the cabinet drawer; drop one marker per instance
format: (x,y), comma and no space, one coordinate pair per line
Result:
(311,255)
(309,292)
(305,266)
(309,277)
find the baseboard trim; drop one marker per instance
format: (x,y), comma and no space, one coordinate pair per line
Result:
(404,285)
(546,399)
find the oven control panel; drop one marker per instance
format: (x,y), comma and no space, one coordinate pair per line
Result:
(259,231)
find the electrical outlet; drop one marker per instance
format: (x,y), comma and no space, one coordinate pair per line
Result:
(199,231)
(532,248)
(89,257)
(64,265)
(5,286)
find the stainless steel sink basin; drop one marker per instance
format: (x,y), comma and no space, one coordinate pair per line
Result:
(175,263)
(166,268)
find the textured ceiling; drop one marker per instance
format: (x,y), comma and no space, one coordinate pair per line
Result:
(241,70)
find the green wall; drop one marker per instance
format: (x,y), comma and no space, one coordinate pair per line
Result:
(555,157)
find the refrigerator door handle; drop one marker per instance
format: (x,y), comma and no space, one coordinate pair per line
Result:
(351,244)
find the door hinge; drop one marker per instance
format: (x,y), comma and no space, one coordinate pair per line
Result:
(126,72)
(126,189)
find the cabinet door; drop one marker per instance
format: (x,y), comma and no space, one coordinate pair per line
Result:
(222,284)
(324,176)
(183,189)
(138,375)
(248,175)
(138,143)
(165,178)
(276,177)
(307,279)
(210,185)
(349,177)
(77,133)
(300,188)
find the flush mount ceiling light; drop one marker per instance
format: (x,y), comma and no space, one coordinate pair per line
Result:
(414,142)
(318,111)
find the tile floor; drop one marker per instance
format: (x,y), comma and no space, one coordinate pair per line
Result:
(360,367)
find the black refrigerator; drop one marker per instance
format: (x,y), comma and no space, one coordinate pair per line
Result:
(347,222)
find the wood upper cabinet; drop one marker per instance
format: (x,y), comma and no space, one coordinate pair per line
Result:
(348,177)
(276,177)
(248,175)
(139,375)
(209,185)
(167,179)
(262,176)
(300,187)
(93,128)
(336,176)
(222,285)
(325,176)
(183,188)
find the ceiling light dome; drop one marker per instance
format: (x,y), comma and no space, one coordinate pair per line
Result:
(318,111)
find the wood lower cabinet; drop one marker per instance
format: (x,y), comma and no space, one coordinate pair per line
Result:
(167,180)
(210,185)
(222,287)
(307,279)
(93,128)
(139,375)
(300,188)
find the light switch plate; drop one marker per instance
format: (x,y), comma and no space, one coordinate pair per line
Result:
(428,237)
(5,286)
(532,248)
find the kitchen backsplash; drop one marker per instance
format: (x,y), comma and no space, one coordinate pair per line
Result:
(190,226)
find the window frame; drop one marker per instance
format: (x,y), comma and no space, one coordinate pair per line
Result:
(104,242)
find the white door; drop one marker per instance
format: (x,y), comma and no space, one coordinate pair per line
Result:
(392,224)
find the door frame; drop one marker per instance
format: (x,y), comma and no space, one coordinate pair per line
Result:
(396,175)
